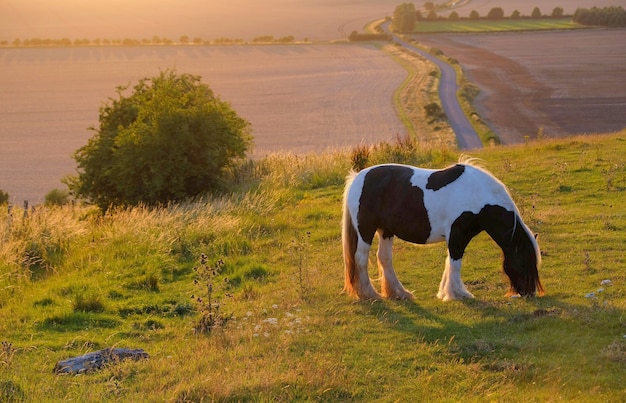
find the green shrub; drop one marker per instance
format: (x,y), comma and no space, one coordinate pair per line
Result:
(57,197)
(169,140)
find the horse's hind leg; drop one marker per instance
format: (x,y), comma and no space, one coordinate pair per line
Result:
(452,286)
(362,284)
(390,286)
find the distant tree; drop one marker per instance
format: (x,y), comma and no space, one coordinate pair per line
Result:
(264,39)
(515,15)
(130,42)
(404,18)
(57,197)
(355,37)
(536,13)
(184,39)
(557,12)
(432,15)
(607,16)
(454,16)
(429,5)
(171,139)
(496,13)
(474,15)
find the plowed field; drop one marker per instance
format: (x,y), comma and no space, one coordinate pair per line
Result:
(557,83)
(297,98)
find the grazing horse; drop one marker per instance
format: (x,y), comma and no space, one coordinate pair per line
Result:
(425,206)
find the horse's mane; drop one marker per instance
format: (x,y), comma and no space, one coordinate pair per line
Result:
(480,165)
(473,161)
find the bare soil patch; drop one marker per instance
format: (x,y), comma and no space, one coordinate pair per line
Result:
(555,83)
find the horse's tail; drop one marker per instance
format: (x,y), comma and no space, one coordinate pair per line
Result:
(349,238)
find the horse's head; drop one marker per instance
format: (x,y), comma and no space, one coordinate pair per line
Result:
(521,262)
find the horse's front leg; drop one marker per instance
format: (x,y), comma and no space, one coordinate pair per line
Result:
(390,286)
(452,286)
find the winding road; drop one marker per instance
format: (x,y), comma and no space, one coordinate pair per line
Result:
(467,138)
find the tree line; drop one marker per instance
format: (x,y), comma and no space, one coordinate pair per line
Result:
(154,41)
(606,17)
(406,15)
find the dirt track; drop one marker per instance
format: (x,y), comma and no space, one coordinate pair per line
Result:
(562,83)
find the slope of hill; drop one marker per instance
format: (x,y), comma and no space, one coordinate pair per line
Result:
(72,281)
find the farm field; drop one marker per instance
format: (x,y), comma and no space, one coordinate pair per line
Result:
(297,98)
(312,19)
(469,26)
(317,20)
(534,82)
(36,139)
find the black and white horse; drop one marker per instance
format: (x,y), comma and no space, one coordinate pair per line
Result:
(425,206)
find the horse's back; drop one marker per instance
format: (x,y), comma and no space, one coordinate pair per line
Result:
(418,204)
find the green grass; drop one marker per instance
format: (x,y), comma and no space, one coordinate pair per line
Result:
(495,25)
(73,282)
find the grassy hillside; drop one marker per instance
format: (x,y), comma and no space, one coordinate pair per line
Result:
(72,281)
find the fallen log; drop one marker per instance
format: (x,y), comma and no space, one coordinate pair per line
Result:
(96,360)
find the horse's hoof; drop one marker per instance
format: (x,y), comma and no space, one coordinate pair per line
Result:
(401,296)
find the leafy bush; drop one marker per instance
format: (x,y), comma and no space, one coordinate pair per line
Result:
(57,197)
(4,197)
(171,139)
(434,112)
